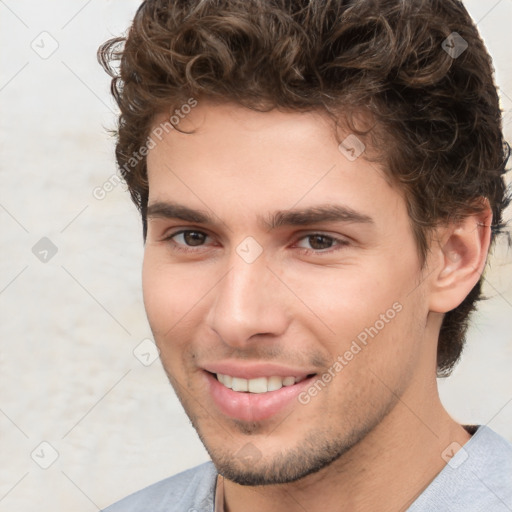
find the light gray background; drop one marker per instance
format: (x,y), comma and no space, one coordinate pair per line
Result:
(69,326)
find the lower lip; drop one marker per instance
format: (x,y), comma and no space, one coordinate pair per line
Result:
(253,406)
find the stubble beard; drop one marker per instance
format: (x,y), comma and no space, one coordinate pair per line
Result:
(250,467)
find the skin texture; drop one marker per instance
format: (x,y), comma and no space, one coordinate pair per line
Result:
(373,437)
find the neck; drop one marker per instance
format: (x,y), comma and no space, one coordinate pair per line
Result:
(386,471)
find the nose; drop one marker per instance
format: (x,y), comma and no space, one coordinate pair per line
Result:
(248,302)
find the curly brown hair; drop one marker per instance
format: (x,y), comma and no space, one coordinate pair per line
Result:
(437,120)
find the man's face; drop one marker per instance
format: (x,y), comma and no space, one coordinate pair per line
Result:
(268,298)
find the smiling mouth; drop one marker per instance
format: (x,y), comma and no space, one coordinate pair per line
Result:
(259,384)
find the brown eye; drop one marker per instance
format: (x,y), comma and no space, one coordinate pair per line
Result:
(187,238)
(319,242)
(193,237)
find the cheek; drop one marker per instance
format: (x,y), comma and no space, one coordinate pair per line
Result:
(370,375)
(157,300)
(167,294)
(374,320)
(395,352)
(166,301)
(349,300)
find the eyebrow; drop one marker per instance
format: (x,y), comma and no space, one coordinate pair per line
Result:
(279,218)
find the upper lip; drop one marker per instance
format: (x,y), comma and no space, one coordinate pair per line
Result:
(254,370)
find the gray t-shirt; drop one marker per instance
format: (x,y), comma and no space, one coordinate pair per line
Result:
(477,478)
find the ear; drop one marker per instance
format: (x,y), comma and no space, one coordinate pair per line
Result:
(459,253)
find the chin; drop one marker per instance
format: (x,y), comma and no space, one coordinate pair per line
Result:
(249,467)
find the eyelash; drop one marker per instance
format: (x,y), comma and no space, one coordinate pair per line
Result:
(339,242)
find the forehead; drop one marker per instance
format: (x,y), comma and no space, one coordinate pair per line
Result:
(262,161)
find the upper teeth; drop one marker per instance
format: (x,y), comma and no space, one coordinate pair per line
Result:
(258,385)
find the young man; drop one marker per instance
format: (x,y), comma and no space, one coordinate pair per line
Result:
(319,184)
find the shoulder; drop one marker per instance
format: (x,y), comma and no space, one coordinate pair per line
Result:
(193,489)
(478,478)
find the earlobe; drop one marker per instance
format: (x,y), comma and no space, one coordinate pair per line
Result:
(459,256)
